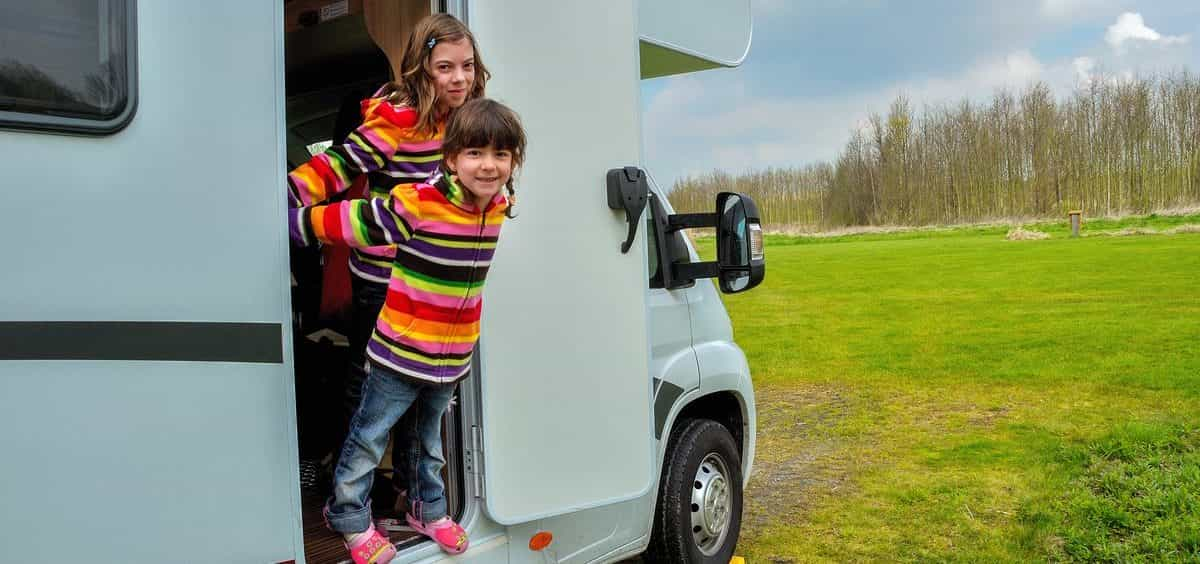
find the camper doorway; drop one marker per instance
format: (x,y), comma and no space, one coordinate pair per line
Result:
(334,55)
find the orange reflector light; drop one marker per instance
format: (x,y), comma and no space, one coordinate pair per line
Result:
(541,541)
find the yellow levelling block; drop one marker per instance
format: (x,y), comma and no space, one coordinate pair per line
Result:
(737,560)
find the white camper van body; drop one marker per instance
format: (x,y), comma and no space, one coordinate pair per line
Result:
(147,405)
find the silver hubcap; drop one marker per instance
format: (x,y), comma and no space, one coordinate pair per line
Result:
(710,504)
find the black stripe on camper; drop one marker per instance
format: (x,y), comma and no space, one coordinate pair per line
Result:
(141,340)
(664,400)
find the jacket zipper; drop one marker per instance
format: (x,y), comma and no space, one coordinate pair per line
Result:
(470,280)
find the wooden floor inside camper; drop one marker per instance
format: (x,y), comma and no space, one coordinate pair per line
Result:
(323,546)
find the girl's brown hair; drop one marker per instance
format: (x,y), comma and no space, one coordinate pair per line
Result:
(484,122)
(414,87)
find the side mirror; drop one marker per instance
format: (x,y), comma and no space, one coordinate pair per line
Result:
(740,261)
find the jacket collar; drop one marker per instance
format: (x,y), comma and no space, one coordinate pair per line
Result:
(455,194)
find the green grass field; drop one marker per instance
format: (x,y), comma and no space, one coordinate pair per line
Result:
(953,396)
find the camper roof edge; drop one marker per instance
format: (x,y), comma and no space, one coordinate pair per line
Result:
(677,37)
(713,60)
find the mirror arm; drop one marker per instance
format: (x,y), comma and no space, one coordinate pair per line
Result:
(689,271)
(690,220)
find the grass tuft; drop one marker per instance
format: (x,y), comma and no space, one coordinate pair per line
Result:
(1134,496)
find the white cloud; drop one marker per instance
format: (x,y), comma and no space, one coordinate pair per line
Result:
(729,128)
(1067,9)
(1131,27)
(733,130)
(1017,67)
(1084,67)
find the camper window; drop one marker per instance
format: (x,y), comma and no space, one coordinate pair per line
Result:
(67,65)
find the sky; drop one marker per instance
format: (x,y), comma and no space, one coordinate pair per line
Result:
(817,69)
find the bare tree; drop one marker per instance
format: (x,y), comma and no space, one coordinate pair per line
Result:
(1111,146)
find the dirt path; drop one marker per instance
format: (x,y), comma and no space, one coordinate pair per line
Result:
(799,458)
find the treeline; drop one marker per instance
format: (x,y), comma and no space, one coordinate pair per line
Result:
(787,196)
(1112,146)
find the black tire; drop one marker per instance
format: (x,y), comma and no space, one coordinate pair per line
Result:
(692,443)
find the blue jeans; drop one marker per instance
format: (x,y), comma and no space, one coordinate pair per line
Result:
(385,398)
(368,298)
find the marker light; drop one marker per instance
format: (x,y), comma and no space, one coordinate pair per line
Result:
(541,540)
(756,242)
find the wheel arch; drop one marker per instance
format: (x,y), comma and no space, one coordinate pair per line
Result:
(729,407)
(725,407)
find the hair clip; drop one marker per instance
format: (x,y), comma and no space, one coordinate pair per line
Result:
(432,41)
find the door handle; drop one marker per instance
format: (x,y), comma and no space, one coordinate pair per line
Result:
(627,190)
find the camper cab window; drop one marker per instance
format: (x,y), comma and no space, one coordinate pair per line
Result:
(67,65)
(672,245)
(332,64)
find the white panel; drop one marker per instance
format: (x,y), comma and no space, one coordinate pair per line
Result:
(716,30)
(178,217)
(566,390)
(153,218)
(145,462)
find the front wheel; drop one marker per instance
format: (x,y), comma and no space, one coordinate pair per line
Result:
(699,512)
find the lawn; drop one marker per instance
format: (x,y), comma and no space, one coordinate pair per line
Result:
(953,396)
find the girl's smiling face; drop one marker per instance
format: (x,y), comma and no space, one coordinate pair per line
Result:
(482,171)
(452,67)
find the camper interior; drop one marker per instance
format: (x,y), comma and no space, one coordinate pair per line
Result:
(332,62)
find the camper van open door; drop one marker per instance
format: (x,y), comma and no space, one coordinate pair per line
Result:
(567,420)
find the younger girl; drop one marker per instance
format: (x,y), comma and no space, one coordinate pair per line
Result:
(445,232)
(399,141)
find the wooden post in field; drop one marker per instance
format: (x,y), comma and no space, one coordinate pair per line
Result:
(1076,216)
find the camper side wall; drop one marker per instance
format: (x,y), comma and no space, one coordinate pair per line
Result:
(165,241)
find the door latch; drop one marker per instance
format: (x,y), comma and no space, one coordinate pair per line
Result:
(627,190)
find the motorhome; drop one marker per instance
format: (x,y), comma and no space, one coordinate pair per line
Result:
(157,393)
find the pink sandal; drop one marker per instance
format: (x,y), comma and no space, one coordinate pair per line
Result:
(372,548)
(448,534)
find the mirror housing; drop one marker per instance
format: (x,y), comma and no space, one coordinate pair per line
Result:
(741,264)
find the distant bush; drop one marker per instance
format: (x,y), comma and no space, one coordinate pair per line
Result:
(1022,234)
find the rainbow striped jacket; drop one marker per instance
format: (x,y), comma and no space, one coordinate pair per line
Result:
(429,323)
(389,150)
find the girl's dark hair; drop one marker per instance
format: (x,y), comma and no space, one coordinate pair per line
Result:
(414,87)
(484,122)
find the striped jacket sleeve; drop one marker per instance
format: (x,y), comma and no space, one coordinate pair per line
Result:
(368,148)
(358,223)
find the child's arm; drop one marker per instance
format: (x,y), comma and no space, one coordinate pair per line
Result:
(368,148)
(358,223)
